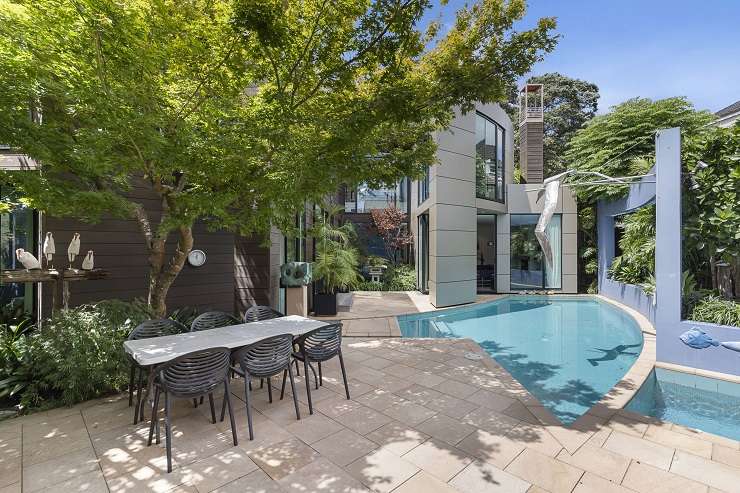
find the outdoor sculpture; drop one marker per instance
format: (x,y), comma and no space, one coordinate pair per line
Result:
(74,248)
(49,248)
(696,338)
(88,262)
(27,259)
(295,274)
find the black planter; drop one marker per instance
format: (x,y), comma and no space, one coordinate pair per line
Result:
(325,304)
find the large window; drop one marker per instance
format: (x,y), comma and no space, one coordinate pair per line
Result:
(365,199)
(529,268)
(489,159)
(17,230)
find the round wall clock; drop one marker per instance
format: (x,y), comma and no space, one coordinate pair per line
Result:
(197,258)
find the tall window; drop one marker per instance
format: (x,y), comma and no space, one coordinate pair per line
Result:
(17,230)
(423,183)
(489,159)
(529,268)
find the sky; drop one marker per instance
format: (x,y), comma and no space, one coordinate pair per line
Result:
(648,48)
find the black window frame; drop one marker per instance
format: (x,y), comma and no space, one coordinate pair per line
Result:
(502,179)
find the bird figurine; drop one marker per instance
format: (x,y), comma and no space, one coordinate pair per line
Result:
(49,248)
(27,259)
(73,249)
(87,262)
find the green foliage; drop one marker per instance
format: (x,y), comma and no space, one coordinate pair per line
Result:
(78,355)
(376,261)
(637,262)
(714,309)
(237,112)
(185,315)
(400,278)
(569,105)
(370,286)
(337,261)
(712,208)
(618,141)
(15,375)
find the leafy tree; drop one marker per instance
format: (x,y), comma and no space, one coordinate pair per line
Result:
(236,112)
(568,104)
(621,143)
(337,261)
(391,224)
(712,205)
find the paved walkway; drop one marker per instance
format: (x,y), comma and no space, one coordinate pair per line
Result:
(423,418)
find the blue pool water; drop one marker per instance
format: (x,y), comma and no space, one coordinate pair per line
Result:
(568,352)
(703,403)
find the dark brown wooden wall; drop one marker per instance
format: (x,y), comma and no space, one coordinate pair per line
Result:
(119,249)
(251,273)
(531,151)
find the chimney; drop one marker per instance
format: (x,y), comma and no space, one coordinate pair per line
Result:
(531,132)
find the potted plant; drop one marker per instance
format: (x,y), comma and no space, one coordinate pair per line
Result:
(336,261)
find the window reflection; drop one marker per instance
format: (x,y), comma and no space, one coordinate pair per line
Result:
(489,159)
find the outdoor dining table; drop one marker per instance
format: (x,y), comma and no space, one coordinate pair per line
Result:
(157,350)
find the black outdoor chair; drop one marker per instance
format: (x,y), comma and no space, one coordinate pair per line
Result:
(188,377)
(212,320)
(316,346)
(260,312)
(149,328)
(265,359)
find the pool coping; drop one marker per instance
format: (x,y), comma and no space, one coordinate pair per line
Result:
(614,401)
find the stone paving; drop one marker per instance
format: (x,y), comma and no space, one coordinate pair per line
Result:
(423,418)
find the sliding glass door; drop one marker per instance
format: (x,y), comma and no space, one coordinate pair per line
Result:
(530,269)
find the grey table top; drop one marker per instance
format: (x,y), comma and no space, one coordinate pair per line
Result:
(158,350)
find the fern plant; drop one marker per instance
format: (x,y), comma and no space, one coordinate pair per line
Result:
(337,260)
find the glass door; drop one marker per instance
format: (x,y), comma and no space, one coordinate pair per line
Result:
(486,253)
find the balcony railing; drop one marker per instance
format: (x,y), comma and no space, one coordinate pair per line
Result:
(532,114)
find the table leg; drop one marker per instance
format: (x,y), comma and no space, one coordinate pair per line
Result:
(147,392)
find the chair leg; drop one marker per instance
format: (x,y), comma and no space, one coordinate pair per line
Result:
(227,400)
(213,409)
(308,386)
(285,377)
(168,430)
(195,402)
(139,390)
(131,386)
(321,377)
(262,384)
(223,409)
(344,374)
(315,378)
(248,400)
(292,389)
(297,368)
(155,409)
(201,399)
(269,389)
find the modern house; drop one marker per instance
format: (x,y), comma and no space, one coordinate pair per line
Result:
(473,229)
(727,116)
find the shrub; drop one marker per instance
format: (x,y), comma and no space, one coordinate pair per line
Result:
(370,286)
(78,354)
(714,309)
(400,278)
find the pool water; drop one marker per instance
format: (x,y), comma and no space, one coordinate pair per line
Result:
(694,401)
(567,351)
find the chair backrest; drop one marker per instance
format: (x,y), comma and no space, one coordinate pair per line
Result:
(196,373)
(267,357)
(156,328)
(212,320)
(321,344)
(260,312)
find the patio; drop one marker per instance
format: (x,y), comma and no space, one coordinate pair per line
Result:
(423,417)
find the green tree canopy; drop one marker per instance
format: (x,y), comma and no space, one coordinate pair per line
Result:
(235,112)
(622,143)
(568,104)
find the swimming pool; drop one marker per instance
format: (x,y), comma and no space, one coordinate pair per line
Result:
(567,351)
(706,404)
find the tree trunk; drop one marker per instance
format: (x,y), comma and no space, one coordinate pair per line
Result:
(161,275)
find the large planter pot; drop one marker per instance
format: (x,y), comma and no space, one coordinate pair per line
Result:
(344,301)
(325,304)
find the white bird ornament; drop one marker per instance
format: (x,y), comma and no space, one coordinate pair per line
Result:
(88,262)
(74,248)
(49,248)
(27,259)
